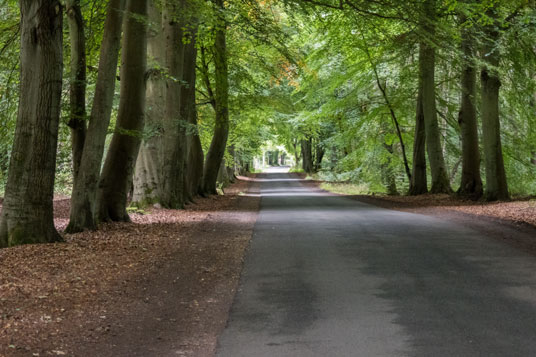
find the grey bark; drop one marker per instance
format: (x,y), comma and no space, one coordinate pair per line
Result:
(221,126)
(194,167)
(77,120)
(471,182)
(84,196)
(27,215)
(147,175)
(418,184)
(440,180)
(172,193)
(118,167)
(496,184)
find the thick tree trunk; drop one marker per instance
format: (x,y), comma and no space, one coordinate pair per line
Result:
(194,166)
(172,193)
(77,120)
(118,167)
(471,182)
(496,185)
(307,155)
(148,170)
(83,199)
(440,179)
(418,183)
(27,215)
(221,126)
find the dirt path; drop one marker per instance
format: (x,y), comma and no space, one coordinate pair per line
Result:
(160,287)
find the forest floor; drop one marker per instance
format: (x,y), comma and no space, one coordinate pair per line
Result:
(513,222)
(161,286)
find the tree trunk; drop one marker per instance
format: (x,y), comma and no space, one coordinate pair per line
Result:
(148,170)
(440,179)
(418,183)
(77,120)
(172,193)
(496,185)
(221,127)
(307,155)
(83,200)
(388,176)
(471,183)
(318,157)
(194,166)
(121,158)
(27,215)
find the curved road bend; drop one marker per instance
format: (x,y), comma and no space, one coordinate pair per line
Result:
(329,276)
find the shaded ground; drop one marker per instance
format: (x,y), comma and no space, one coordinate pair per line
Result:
(162,286)
(513,222)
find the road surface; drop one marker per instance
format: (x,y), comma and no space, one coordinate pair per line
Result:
(329,276)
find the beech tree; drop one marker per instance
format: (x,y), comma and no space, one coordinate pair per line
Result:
(27,207)
(221,97)
(427,55)
(77,120)
(118,169)
(471,182)
(194,166)
(174,137)
(148,171)
(83,213)
(496,186)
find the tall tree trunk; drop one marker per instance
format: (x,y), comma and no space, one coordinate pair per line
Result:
(440,179)
(320,151)
(194,166)
(307,155)
(496,185)
(118,167)
(147,175)
(418,183)
(27,215)
(77,120)
(471,182)
(84,196)
(172,193)
(221,126)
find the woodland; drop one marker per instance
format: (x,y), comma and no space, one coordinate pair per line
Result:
(132,103)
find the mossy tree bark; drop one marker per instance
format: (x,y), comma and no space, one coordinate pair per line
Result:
(496,184)
(418,184)
(147,176)
(118,167)
(27,214)
(194,167)
(77,120)
(307,155)
(84,196)
(471,182)
(221,126)
(172,193)
(440,179)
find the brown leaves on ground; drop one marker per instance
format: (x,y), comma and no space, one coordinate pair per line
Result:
(520,211)
(167,280)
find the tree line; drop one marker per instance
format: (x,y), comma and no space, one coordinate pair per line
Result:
(460,62)
(159,101)
(157,46)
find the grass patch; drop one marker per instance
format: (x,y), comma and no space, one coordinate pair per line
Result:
(296,169)
(346,188)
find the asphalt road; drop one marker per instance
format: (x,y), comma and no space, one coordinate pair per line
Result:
(329,276)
